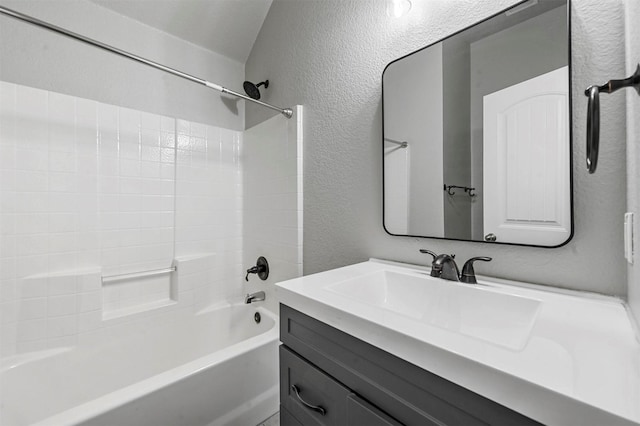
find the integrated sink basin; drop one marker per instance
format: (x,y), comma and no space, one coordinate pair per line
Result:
(557,356)
(473,310)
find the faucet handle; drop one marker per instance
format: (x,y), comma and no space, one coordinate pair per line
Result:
(468,274)
(425,251)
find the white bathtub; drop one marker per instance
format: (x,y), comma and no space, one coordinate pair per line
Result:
(215,368)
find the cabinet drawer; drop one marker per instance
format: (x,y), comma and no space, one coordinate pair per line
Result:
(319,399)
(360,412)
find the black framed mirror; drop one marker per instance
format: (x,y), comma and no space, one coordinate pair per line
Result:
(477,132)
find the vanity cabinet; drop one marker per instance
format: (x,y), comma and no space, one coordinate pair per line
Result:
(328,377)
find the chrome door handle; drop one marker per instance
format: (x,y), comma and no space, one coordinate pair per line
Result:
(317,408)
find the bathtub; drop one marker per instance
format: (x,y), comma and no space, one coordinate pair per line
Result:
(216,368)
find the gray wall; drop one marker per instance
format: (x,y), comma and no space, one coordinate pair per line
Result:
(329,55)
(456,124)
(39,58)
(413,113)
(633,150)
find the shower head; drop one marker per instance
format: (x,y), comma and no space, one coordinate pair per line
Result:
(252,89)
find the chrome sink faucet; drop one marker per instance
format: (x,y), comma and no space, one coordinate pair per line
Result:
(444,266)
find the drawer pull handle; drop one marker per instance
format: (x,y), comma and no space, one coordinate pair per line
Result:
(317,408)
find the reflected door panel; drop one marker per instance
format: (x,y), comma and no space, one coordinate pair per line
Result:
(526,161)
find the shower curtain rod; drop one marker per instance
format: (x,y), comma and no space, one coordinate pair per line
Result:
(287,112)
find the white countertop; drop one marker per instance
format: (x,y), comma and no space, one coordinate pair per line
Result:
(580,364)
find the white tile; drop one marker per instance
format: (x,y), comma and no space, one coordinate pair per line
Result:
(108,166)
(87,164)
(150,153)
(62,261)
(108,145)
(62,202)
(62,242)
(90,301)
(62,285)
(129,151)
(62,161)
(62,305)
(7,269)
(62,342)
(130,203)
(30,245)
(88,258)
(89,282)
(31,181)
(31,223)
(128,120)
(25,159)
(129,168)
(150,121)
(167,140)
(109,203)
(32,265)
(150,137)
(167,155)
(62,326)
(89,321)
(31,345)
(61,222)
(31,117)
(63,182)
(108,185)
(130,185)
(32,330)
(9,312)
(35,308)
(150,169)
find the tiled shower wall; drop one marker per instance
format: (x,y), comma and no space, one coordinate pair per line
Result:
(89,189)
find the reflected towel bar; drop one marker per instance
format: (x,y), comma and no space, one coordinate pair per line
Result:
(466,189)
(593,113)
(144,274)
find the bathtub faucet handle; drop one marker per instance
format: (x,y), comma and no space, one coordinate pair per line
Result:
(252,270)
(261,268)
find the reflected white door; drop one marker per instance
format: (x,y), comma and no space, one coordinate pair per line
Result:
(526,172)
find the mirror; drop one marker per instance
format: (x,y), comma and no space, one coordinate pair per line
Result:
(477,132)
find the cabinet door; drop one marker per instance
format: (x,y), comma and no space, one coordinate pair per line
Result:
(361,413)
(310,395)
(287,419)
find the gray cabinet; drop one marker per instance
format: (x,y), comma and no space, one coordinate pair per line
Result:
(328,377)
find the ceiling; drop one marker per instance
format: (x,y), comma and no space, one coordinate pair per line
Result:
(227,27)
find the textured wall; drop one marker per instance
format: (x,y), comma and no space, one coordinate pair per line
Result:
(329,55)
(633,149)
(39,58)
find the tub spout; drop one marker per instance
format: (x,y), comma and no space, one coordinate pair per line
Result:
(254,297)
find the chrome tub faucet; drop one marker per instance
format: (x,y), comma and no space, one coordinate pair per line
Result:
(258,296)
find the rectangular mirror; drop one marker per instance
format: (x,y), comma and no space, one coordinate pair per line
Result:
(477,132)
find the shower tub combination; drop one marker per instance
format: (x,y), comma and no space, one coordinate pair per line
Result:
(215,368)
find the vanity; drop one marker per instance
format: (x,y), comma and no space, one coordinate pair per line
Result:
(384,343)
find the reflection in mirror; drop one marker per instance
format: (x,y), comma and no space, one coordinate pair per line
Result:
(477,132)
